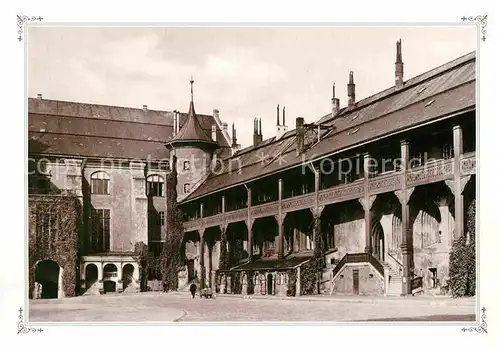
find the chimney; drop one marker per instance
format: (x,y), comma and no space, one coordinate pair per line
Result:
(255,132)
(145,107)
(300,130)
(214,132)
(39,96)
(216,114)
(280,128)
(260,130)
(399,65)
(224,126)
(351,95)
(174,126)
(278,115)
(234,143)
(178,123)
(335,103)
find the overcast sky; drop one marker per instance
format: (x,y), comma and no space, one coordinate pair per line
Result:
(243,72)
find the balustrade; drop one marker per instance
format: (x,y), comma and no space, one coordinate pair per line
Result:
(438,170)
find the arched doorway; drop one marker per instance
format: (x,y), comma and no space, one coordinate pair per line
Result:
(128,275)
(47,275)
(91,275)
(378,242)
(110,271)
(270,284)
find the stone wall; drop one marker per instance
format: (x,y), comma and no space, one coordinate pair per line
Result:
(349,237)
(199,164)
(370,282)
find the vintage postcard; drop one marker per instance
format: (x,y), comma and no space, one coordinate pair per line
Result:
(225,173)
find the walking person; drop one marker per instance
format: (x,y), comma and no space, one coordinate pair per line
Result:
(192,289)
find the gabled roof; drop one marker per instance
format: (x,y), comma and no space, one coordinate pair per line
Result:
(439,92)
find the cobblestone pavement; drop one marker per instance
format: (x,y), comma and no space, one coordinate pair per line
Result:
(181,307)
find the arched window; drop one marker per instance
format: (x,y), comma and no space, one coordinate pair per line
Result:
(99,183)
(154,186)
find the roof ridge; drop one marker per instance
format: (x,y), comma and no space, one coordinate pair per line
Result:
(434,72)
(103,105)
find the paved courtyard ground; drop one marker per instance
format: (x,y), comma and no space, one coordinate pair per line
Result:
(159,307)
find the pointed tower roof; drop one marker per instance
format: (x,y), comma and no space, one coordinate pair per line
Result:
(192,133)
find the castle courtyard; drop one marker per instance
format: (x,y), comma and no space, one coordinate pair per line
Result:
(180,307)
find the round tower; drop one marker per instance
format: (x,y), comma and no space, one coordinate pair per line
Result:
(193,148)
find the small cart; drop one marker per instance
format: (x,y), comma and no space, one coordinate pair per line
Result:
(207,293)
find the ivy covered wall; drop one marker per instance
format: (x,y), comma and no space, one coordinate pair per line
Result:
(54,226)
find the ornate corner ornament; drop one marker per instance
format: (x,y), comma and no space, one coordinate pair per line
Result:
(482,20)
(482,328)
(21,328)
(20,24)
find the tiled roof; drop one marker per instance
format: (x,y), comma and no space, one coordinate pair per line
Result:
(291,261)
(89,130)
(436,93)
(192,130)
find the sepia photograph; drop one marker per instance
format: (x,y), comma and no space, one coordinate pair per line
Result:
(252,174)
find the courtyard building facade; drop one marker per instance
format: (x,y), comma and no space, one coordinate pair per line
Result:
(366,200)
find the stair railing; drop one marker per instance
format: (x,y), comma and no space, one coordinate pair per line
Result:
(398,264)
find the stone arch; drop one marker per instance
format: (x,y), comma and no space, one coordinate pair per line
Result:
(397,229)
(110,267)
(91,274)
(127,274)
(265,233)
(378,241)
(425,215)
(48,279)
(212,237)
(237,241)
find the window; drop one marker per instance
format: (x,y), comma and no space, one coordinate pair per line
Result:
(187,188)
(154,186)
(156,218)
(187,165)
(99,182)
(100,237)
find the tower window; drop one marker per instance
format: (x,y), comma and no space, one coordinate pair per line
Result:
(99,182)
(154,186)
(187,188)
(187,165)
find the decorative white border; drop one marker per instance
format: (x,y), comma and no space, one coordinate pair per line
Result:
(22,328)
(21,19)
(482,328)
(482,22)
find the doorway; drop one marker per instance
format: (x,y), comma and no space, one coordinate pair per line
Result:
(190,269)
(128,275)
(378,245)
(109,286)
(91,275)
(355,282)
(47,275)
(270,284)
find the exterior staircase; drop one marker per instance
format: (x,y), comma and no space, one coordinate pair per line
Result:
(395,282)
